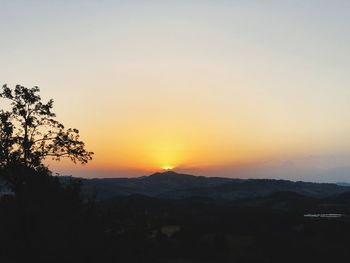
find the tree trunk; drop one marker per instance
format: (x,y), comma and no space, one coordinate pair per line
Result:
(25,143)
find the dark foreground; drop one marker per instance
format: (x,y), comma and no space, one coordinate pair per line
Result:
(50,222)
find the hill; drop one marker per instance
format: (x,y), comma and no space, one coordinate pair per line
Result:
(172,185)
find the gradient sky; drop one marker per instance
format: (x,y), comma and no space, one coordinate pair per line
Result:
(228,88)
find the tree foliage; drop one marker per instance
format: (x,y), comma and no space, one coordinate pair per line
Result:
(30,133)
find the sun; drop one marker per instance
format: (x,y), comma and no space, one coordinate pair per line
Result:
(167,168)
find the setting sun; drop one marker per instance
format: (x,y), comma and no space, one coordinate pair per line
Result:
(167,168)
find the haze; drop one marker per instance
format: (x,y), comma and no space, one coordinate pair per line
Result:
(221,88)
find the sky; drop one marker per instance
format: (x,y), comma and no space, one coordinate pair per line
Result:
(240,88)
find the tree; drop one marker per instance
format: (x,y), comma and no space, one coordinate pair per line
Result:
(29,132)
(6,138)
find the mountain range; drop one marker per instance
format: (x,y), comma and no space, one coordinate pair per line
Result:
(172,185)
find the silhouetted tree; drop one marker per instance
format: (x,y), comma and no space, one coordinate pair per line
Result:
(7,140)
(46,218)
(29,133)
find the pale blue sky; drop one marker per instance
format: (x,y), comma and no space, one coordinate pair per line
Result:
(265,81)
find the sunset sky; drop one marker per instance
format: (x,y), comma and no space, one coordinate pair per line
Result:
(244,88)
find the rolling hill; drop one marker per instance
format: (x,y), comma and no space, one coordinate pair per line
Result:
(172,185)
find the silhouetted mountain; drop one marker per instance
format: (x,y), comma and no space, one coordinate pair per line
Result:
(343,184)
(219,220)
(172,185)
(289,201)
(258,187)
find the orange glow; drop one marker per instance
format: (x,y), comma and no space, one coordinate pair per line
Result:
(181,84)
(147,148)
(167,168)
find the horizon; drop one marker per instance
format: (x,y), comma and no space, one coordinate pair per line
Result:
(239,89)
(165,172)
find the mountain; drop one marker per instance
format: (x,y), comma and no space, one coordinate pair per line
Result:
(153,185)
(343,184)
(259,187)
(172,185)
